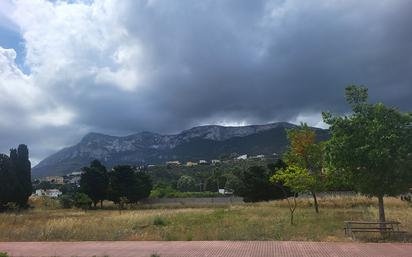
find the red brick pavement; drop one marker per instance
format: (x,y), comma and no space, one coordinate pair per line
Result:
(206,249)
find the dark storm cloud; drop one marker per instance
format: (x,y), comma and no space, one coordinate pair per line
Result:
(241,62)
(238,61)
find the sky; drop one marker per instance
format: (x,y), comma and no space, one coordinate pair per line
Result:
(121,67)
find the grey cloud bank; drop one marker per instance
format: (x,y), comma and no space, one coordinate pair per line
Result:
(126,66)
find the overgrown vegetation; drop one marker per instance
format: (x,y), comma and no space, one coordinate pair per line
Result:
(251,221)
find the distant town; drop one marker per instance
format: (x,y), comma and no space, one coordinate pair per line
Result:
(47,186)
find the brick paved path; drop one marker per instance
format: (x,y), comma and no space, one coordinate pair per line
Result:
(206,249)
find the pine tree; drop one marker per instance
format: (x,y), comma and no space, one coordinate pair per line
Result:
(94,182)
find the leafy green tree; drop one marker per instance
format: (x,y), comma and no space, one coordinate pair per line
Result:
(255,185)
(186,184)
(94,182)
(216,181)
(211,184)
(125,182)
(298,179)
(233,183)
(371,148)
(66,201)
(82,201)
(143,186)
(305,152)
(162,190)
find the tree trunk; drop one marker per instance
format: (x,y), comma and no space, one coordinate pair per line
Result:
(381,209)
(95,203)
(101,204)
(381,212)
(316,202)
(291,217)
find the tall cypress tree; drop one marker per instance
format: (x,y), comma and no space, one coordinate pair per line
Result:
(8,182)
(15,177)
(21,167)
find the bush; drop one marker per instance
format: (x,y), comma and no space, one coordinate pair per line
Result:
(159,221)
(82,201)
(186,184)
(66,201)
(2,254)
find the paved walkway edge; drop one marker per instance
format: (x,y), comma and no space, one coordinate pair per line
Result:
(206,249)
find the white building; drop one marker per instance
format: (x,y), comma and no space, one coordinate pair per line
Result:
(191,164)
(242,157)
(52,193)
(173,163)
(202,162)
(223,191)
(39,192)
(215,161)
(259,156)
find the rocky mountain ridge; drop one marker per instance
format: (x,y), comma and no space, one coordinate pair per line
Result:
(203,142)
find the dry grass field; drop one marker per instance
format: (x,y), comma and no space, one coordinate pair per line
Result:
(257,221)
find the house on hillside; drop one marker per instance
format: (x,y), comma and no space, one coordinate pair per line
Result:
(258,157)
(242,157)
(176,163)
(54,179)
(191,164)
(203,162)
(215,162)
(73,178)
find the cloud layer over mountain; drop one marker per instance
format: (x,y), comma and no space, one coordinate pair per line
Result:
(126,66)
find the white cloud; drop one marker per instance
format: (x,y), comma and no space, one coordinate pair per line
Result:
(312,119)
(72,41)
(16,88)
(56,117)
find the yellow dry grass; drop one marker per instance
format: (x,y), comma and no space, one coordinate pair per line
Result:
(257,221)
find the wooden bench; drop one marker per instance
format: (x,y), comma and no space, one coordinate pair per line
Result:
(388,228)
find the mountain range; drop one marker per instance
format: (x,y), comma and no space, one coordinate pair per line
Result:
(203,142)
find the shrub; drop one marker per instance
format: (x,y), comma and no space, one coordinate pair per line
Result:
(2,254)
(66,201)
(82,201)
(12,207)
(159,221)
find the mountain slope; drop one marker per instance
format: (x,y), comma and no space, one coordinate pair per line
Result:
(204,142)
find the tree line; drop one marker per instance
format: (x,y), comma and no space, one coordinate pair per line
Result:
(122,184)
